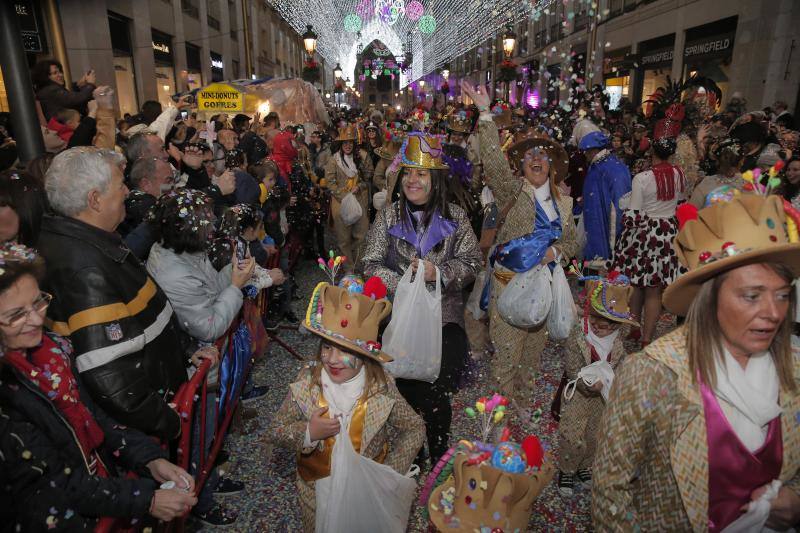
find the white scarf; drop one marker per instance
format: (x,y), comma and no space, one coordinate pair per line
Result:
(748,396)
(602,345)
(342,397)
(600,155)
(346,164)
(543,197)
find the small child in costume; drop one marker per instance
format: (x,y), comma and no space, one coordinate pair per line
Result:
(596,337)
(345,391)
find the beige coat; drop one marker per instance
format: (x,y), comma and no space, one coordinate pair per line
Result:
(651,468)
(389,421)
(518,351)
(349,238)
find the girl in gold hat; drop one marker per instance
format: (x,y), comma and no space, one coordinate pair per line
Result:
(345,391)
(349,171)
(422,227)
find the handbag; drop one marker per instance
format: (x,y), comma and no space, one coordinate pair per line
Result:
(414,334)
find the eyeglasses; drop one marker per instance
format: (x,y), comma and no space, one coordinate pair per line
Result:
(17,318)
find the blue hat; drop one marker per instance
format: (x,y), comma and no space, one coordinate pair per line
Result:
(594,140)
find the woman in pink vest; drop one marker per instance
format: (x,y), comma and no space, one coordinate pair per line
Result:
(702,429)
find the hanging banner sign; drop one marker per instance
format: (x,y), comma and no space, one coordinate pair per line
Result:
(220,97)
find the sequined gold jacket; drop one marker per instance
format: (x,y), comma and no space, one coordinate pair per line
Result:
(651,467)
(457,256)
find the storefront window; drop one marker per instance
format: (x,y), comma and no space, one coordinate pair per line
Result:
(708,52)
(616,89)
(126,85)
(653,79)
(165,83)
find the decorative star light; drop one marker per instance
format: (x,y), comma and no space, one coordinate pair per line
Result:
(414,10)
(352,23)
(427,24)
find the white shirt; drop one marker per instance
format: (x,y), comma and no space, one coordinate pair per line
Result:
(543,197)
(644,195)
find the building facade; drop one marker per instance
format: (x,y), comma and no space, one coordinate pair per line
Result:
(746,46)
(153,49)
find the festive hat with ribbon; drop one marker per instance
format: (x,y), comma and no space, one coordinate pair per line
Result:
(422,151)
(610,297)
(350,320)
(750,228)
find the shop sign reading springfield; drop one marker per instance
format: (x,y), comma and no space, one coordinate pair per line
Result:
(220,97)
(717,45)
(657,58)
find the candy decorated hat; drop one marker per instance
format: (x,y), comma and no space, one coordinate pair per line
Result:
(483,486)
(349,319)
(750,228)
(422,151)
(610,297)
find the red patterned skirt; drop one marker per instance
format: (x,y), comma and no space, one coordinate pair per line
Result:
(643,251)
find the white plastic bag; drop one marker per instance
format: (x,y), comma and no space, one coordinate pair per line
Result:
(365,496)
(755,517)
(414,334)
(526,300)
(562,311)
(599,371)
(474,300)
(350,210)
(379,200)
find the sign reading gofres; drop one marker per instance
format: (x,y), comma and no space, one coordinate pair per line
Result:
(221,98)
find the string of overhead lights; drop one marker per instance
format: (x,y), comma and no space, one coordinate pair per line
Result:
(441,29)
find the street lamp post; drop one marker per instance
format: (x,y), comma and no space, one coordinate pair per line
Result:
(310,41)
(509,41)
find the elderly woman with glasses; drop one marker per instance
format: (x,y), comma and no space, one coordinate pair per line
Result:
(64,461)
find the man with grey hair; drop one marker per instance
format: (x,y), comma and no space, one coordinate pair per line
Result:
(149,178)
(127,346)
(782,115)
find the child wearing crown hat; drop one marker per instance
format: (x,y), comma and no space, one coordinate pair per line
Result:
(593,339)
(345,392)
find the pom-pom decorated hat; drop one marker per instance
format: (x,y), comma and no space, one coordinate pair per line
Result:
(748,229)
(559,160)
(349,320)
(422,151)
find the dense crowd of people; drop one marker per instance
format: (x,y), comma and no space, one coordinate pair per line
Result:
(132,245)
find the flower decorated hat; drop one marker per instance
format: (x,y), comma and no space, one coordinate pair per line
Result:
(748,229)
(350,319)
(422,151)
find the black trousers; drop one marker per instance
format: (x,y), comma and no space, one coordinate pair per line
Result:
(433,400)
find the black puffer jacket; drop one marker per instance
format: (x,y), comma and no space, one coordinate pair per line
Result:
(46,485)
(128,347)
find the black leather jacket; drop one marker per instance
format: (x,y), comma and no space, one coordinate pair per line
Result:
(127,345)
(43,467)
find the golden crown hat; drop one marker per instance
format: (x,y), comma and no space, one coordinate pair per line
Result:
(422,151)
(389,150)
(748,229)
(348,133)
